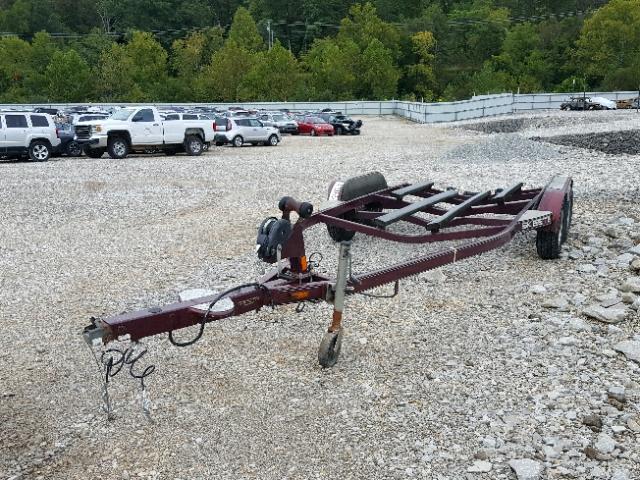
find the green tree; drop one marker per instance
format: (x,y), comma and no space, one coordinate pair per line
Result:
(244,32)
(378,74)
(331,69)
(422,74)
(363,26)
(609,45)
(227,71)
(275,76)
(69,77)
(15,68)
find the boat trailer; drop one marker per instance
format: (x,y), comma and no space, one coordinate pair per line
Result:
(476,221)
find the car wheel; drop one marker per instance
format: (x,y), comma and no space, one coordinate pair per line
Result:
(237,141)
(313,132)
(117,147)
(339,131)
(273,140)
(39,151)
(74,149)
(193,145)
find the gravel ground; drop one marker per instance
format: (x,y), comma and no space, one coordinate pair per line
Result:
(490,366)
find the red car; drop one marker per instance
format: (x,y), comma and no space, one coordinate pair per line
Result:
(314,126)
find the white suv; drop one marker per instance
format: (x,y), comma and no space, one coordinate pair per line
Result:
(28,133)
(238,131)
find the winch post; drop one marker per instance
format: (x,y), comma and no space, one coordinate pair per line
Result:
(341,285)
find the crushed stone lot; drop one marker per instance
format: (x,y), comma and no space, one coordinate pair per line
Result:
(501,366)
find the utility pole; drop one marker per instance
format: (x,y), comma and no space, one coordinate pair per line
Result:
(269,33)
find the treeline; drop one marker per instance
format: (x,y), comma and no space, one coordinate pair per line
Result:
(273,50)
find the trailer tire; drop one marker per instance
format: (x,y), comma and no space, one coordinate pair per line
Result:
(352,188)
(549,243)
(329,350)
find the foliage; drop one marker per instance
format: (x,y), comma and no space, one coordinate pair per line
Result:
(201,50)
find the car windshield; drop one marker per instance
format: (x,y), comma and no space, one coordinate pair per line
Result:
(279,118)
(123,114)
(315,120)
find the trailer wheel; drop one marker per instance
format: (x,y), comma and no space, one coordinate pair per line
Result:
(348,190)
(329,349)
(549,243)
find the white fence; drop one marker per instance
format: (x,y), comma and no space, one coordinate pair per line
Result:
(476,107)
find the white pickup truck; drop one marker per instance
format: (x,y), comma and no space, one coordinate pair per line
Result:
(142,128)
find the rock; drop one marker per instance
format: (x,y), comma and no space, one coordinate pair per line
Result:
(587,268)
(633,424)
(594,422)
(618,429)
(618,393)
(635,250)
(559,302)
(526,469)
(636,305)
(631,285)
(625,259)
(629,298)
(578,325)
(434,276)
(620,475)
(568,341)
(613,314)
(480,466)
(630,348)
(578,299)
(635,265)
(538,289)
(605,444)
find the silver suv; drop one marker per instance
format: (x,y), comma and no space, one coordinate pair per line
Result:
(280,121)
(28,133)
(238,131)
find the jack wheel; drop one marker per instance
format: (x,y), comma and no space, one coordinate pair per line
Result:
(329,349)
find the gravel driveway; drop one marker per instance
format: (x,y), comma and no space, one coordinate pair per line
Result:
(481,370)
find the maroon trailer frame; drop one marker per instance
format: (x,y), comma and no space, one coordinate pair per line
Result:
(483,220)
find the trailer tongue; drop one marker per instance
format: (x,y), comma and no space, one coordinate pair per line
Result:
(476,221)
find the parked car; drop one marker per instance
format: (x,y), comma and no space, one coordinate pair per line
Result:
(281,122)
(87,117)
(628,103)
(601,103)
(314,125)
(342,124)
(68,145)
(28,134)
(238,131)
(142,129)
(578,103)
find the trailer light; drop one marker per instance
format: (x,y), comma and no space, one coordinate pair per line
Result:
(303,264)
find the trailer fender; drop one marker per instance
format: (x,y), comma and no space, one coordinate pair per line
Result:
(559,188)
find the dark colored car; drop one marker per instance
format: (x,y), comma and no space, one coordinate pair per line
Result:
(68,145)
(342,124)
(578,103)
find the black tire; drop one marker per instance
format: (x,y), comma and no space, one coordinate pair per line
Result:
(39,151)
(219,144)
(193,145)
(352,188)
(329,350)
(117,147)
(549,243)
(93,152)
(237,141)
(74,149)
(273,141)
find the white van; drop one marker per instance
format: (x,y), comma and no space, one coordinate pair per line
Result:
(28,134)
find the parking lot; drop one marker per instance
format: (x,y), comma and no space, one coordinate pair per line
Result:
(458,368)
